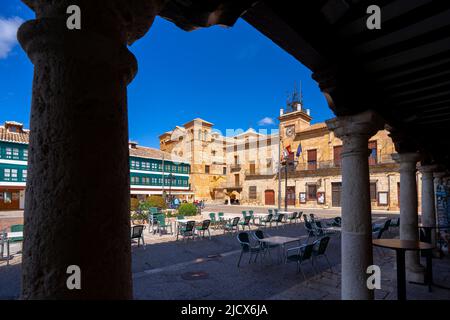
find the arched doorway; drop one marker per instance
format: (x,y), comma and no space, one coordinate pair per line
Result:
(269,197)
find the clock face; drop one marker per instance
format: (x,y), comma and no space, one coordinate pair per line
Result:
(290,131)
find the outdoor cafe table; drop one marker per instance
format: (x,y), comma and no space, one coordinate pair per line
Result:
(335,229)
(280,241)
(400,247)
(428,238)
(9,235)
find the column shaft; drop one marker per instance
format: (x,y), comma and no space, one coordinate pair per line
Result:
(77,197)
(356,249)
(408,211)
(428,199)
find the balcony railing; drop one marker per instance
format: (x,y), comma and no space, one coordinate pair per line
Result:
(331,164)
(235,167)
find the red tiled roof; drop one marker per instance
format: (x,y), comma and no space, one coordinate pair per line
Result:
(22,136)
(152,153)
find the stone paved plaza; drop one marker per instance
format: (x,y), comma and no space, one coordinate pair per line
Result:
(207,269)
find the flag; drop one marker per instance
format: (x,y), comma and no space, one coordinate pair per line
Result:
(288,149)
(299,150)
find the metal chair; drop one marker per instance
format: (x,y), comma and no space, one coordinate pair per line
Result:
(186,230)
(203,228)
(162,225)
(319,249)
(279,219)
(300,254)
(246,222)
(233,226)
(258,235)
(293,217)
(246,247)
(267,220)
(137,232)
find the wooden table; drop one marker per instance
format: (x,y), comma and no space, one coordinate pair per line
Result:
(280,241)
(400,247)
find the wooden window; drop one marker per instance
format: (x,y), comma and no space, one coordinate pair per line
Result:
(25,154)
(252,192)
(206,169)
(373,152)
(224,170)
(312,159)
(337,155)
(24,175)
(8,153)
(236,180)
(312,192)
(373,191)
(252,168)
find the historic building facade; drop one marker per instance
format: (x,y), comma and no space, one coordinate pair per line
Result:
(243,165)
(152,172)
(13,165)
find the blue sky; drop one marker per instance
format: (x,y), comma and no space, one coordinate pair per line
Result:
(232,77)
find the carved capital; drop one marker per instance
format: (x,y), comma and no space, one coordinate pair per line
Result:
(408,161)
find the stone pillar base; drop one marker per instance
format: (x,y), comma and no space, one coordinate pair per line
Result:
(416,275)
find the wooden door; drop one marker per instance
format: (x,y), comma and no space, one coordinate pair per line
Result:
(290,193)
(269,196)
(336,188)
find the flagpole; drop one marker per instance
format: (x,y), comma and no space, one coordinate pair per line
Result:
(279,168)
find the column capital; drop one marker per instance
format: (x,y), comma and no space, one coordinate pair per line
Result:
(428,169)
(131,18)
(107,26)
(364,124)
(406,157)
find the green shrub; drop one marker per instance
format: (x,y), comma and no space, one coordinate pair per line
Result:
(187,209)
(139,217)
(134,204)
(154,201)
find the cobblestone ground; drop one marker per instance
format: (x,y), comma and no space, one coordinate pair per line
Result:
(207,269)
(8,218)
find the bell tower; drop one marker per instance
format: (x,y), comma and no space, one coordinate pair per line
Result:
(293,117)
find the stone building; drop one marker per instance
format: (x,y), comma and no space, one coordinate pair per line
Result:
(243,165)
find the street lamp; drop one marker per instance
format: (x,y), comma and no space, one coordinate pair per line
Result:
(171,178)
(287,162)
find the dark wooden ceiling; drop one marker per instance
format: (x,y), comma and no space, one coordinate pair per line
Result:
(402,70)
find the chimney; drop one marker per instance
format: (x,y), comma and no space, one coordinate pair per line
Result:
(308,112)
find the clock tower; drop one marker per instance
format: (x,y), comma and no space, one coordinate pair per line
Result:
(293,119)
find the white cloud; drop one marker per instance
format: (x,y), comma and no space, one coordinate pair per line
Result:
(266,121)
(8,34)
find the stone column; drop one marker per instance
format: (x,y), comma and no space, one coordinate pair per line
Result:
(77,197)
(355,132)
(408,211)
(428,198)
